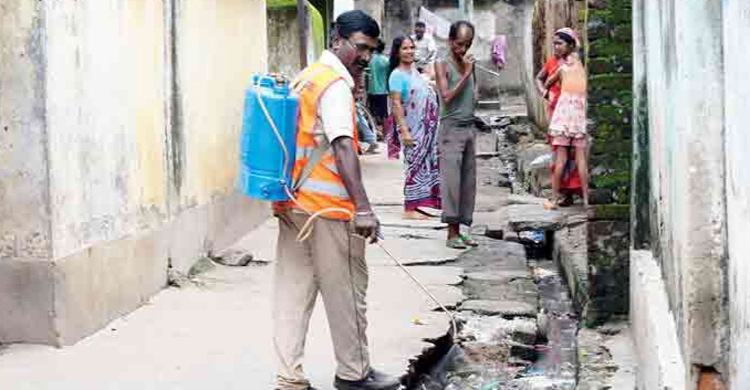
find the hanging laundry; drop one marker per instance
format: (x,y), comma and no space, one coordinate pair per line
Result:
(499,47)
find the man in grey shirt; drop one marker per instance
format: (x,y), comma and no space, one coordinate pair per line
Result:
(426,49)
(456,140)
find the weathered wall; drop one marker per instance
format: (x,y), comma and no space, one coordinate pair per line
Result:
(26,290)
(283,37)
(400,16)
(106,139)
(283,40)
(660,361)
(24,213)
(491,19)
(143,106)
(737,143)
(374,8)
(696,153)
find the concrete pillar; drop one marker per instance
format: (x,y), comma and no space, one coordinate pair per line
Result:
(640,188)
(737,144)
(26,273)
(698,223)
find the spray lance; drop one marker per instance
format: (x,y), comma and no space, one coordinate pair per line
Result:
(266,171)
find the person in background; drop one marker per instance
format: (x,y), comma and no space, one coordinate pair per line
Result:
(365,129)
(426,50)
(567,129)
(457,138)
(570,182)
(377,87)
(414,126)
(331,262)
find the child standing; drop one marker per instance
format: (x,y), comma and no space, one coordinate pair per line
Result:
(568,125)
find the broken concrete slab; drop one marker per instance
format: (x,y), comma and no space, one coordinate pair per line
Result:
(503,308)
(522,291)
(491,224)
(534,217)
(496,255)
(525,199)
(411,252)
(500,276)
(515,286)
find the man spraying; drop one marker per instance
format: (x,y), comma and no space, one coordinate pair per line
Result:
(455,81)
(332,260)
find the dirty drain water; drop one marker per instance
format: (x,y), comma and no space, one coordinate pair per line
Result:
(493,352)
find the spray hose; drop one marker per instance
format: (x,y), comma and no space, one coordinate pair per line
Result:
(307,229)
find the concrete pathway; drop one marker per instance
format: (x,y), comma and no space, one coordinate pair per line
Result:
(217,333)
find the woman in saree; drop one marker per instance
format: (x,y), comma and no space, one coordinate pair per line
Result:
(413,128)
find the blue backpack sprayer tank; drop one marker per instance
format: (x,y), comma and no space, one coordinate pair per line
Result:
(269,134)
(267,153)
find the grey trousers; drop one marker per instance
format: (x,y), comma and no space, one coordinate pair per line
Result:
(332,262)
(458,171)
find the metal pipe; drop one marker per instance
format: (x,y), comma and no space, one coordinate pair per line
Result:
(482,68)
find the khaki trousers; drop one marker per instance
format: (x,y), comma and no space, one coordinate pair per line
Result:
(332,262)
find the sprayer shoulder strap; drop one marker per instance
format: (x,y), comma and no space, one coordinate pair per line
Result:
(315,157)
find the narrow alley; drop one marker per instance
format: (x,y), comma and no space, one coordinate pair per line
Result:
(212,328)
(611,233)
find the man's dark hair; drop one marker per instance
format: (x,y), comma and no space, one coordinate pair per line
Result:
(420,24)
(453,33)
(381,46)
(351,22)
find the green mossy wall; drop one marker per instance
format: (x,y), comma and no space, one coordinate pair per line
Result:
(610,66)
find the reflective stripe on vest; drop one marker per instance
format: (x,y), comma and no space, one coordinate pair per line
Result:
(324,187)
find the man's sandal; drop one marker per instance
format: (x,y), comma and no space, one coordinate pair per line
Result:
(466,238)
(456,243)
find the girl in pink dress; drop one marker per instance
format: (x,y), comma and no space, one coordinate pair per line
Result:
(568,125)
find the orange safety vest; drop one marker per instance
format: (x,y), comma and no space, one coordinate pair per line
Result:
(323,188)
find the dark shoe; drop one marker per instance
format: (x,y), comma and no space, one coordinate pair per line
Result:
(375,380)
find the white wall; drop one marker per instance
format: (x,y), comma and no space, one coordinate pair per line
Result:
(737,144)
(700,199)
(116,170)
(24,213)
(106,121)
(125,118)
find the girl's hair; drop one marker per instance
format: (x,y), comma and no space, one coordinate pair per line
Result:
(567,38)
(395,59)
